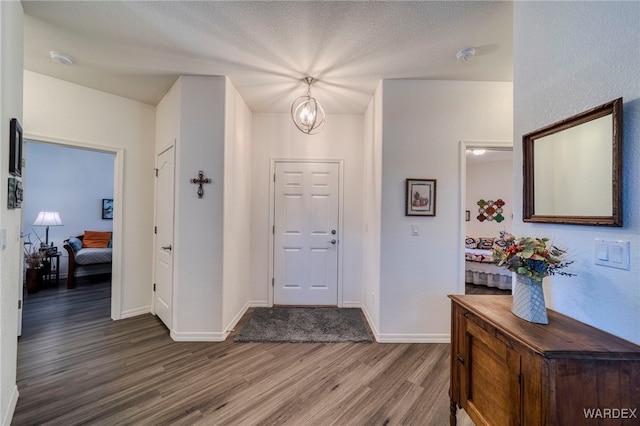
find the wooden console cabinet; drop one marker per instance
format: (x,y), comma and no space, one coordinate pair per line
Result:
(507,371)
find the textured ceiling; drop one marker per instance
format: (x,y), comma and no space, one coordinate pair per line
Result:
(137,49)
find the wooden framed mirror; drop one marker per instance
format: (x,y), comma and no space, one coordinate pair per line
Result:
(572,169)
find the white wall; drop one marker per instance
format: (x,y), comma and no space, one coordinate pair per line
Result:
(276,137)
(211,126)
(65,113)
(372,206)
(423,124)
(11,57)
(198,253)
(237,207)
(489,181)
(570,57)
(70,181)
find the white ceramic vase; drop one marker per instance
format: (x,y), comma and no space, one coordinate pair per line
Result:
(528,300)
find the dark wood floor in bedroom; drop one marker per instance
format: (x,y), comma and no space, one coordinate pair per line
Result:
(483,289)
(76,366)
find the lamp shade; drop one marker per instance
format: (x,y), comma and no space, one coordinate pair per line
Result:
(48,219)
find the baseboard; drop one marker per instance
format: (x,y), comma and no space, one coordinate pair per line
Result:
(135,312)
(372,326)
(397,338)
(258,304)
(236,319)
(198,336)
(11,408)
(414,338)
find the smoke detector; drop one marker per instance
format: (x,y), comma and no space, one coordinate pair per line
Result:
(465,54)
(63,58)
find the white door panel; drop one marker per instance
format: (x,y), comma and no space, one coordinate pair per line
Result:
(306,240)
(163,296)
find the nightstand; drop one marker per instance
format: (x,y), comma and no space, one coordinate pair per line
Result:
(51,268)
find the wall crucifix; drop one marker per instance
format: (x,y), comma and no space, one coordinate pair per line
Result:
(199,181)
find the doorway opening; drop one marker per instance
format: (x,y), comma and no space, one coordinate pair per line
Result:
(48,179)
(487,206)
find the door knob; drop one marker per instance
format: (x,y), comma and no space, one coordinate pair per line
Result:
(166,247)
(332,241)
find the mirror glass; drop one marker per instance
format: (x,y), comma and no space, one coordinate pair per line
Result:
(572,169)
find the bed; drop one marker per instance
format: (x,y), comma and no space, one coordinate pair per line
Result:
(89,254)
(479,267)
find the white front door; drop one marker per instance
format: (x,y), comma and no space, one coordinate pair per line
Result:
(306,233)
(163,248)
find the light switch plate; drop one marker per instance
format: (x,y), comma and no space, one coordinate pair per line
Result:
(614,254)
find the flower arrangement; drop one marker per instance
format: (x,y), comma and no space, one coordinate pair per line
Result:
(530,257)
(33,256)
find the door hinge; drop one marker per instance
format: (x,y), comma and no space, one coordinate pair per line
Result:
(156,170)
(155,229)
(273,230)
(273,282)
(520,378)
(154,286)
(19,304)
(274,177)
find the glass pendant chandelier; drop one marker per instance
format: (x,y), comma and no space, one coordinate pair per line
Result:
(307,113)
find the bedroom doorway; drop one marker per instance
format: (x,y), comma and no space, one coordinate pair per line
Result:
(487,201)
(61,172)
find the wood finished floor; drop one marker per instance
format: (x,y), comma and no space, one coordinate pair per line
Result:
(77,367)
(483,289)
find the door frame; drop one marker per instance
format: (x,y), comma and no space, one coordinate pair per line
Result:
(272,218)
(462,200)
(118,191)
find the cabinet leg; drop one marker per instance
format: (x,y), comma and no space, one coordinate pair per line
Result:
(453,408)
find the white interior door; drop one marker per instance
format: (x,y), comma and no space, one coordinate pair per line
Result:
(163,273)
(306,233)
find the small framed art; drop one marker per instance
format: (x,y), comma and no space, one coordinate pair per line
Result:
(420,197)
(107,208)
(14,194)
(15,148)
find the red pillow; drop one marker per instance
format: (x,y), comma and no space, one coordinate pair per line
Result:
(96,239)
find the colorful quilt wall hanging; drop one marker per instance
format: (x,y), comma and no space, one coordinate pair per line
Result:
(490,210)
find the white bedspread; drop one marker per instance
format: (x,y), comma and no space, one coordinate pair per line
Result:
(480,270)
(90,256)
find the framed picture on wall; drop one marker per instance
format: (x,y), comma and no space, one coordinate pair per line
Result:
(420,197)
(15,148)
(107,208)
(14,194)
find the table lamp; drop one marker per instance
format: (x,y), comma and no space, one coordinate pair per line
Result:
(48,219)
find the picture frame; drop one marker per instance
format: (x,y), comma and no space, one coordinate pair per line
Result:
(107,208)
(14,194)
(15,148)
(420,197)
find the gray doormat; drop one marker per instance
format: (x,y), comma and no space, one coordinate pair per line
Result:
(305,325)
